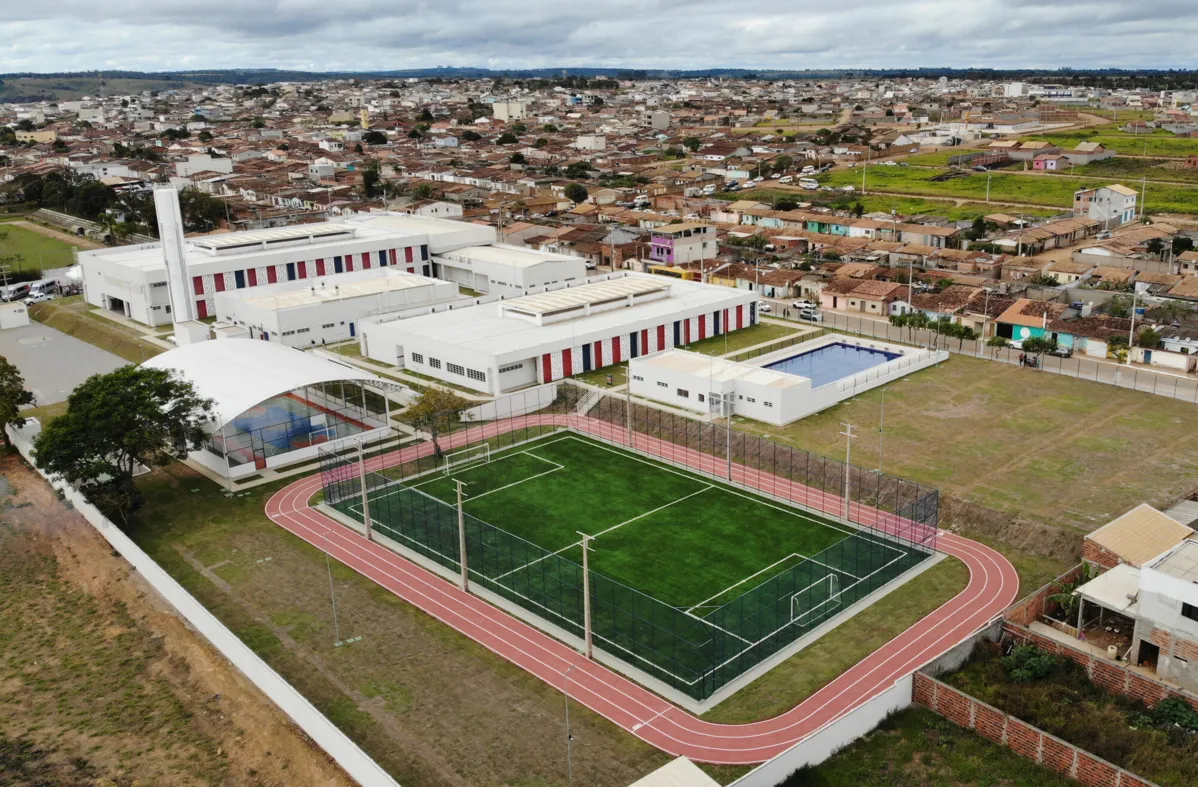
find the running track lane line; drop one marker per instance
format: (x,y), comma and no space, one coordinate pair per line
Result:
(992,587)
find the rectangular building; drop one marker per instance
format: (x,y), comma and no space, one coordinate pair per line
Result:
(515,342)
(679,243)
(502,269)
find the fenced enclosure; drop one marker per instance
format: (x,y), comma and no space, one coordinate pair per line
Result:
(696,647)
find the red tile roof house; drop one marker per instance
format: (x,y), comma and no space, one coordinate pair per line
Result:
(874,297)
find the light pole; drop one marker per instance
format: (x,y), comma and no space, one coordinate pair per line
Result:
(848,452)
(1131,332)
(332,597)
(586,591)
(881,429)
(989,174)
(365,490)
(462,539)
(569,735)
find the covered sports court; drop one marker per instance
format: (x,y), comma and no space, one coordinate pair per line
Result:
(274,405)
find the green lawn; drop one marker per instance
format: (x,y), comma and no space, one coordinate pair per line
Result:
(713,567)
(73,316)
(1004,187)
(1158,143)
(738,340)
(1131,170)
(873,203)
(34,252)
(917,748)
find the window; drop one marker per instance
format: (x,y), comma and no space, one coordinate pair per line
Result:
(434,362)
(685,394)
(1189,611)
(328,325)
(454,368)
(512,368)
(663,385)
(474,374)
(638,378)
(768,404)
(158,284)
(751,399)
(701,397)
(417,358)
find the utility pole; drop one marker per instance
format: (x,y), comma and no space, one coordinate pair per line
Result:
(569,735)
(462,539)
(1131,332)
(881,429)
(586,591)
(989,174)
(848,452)
(364,490)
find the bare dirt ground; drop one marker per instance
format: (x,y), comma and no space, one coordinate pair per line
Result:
(65,237)
(101,683)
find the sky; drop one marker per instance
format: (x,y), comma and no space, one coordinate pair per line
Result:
(345,35)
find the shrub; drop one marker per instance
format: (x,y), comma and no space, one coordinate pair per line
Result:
(1027,663)
(1174,711)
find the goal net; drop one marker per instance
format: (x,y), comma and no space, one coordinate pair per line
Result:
(467,456)
(816,601)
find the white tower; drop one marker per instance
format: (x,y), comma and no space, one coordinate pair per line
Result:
(170,231)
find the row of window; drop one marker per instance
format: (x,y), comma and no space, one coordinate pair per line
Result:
(685,394)
(300,270)
(454,368)
(512,368)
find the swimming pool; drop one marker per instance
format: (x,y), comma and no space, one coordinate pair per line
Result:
(832,362)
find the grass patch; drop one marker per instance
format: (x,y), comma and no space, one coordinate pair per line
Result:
(917,748)
(73,316)
(803,674)
(618,372)
(979,430)
(1054,694)
(35,252)
(1158,142)
(873,203)
(738,340)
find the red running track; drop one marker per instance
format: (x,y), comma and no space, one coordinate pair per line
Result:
(993,586)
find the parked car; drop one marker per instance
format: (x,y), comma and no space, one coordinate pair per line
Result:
(810,315)
(14,292)
(1061,351)
(763,307)
(890,163)
(40,297)
(803,303)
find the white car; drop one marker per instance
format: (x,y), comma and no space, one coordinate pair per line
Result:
(804,304)
(890,163)
(41,297)
(763,307)
(811,315)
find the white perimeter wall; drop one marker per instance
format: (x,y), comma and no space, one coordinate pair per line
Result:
(323,733)
(832,737)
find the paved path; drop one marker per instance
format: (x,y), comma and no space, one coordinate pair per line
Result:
(993,586)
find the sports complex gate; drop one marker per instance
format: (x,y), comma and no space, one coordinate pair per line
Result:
(696,654)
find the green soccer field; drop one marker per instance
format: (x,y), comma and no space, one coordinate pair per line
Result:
(691,579)
(688,541)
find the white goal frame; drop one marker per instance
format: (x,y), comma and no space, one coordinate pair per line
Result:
(833,582)
(466,456)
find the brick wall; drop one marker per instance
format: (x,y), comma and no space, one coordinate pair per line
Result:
(1098,555)
(1019,736)
(1033,607)
(1103,672)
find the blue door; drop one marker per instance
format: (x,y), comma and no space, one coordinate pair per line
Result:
(353,331)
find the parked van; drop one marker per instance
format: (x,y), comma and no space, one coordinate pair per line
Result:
(44,287)
(786,179)
(811,184)
(14,292)
(807,170)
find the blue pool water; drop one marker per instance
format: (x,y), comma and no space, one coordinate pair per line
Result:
(831,362)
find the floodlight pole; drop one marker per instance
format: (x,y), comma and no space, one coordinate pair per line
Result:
(586,591)
(333,597)
(848,448)
(364,490)
(462,539)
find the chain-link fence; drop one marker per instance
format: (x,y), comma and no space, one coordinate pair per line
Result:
(1173,386)
(695,650)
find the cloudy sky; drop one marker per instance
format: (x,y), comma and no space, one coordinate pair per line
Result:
(330,35)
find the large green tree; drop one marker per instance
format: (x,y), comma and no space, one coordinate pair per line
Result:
(576,192)
(435,412)
(115,422)
(13,397)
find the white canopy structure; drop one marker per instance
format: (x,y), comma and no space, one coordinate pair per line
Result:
(237,374)
(274,405)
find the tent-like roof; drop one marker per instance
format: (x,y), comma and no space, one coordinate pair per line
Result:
(1140,535)
(237,374)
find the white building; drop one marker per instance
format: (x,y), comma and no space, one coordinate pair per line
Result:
(326,309)
(510,343)
(203,162)
(1113,205)
(132,280)
(773,388)
(591,142)
(509,110)
(502,269)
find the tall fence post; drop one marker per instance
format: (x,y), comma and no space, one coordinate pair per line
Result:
(586,592)
(462,539)
(365,491)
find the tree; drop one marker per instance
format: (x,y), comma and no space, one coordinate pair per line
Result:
(1155,246)
(471,136)
(1120,306)
(25,124)
(59,145)
(576,192)
(519,128)
(540,143)
(13,397)
(201,212)
(578,169)
(425,116)
(785,204)
(858,210)
(436,411)
(507,138)
(204,136)
(1038,345)
(416,133)
(691,144)
(373,137)
(258,123)
(783,163)
(517,158)
(998,342)
(965,334)
(115,422)
(424,191)
(370,180)
(549,128)
(1149,338)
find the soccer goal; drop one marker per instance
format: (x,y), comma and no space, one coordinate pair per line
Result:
(816,600)
(467,456)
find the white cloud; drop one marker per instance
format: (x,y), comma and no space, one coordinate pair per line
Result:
(66,35)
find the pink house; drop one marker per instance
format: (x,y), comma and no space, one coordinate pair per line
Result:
(1049,162)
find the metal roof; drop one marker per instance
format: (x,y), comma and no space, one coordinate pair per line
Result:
(583,295)
(1182,562)
(234,240)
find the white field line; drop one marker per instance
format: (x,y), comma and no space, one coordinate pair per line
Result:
(556,467)
(653,511)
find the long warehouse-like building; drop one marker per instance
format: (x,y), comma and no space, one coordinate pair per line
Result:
(511,343)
